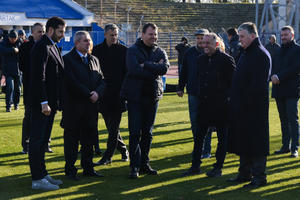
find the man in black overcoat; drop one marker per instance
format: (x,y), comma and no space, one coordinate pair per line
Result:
(24,65)
(83,86)
(215,70)
(45,98)
(249,137)
(286,90)
(112,57)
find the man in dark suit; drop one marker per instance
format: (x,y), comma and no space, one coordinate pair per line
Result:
(83,86)
(111,54)
(24,65)
(146,63)
(215,70)
(249,136)
(286,90)
(45,84)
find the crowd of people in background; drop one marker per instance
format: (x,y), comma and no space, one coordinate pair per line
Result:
(227,87)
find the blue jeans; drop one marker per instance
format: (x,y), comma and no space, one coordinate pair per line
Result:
(193,110)
(288,114)
(13,90)
(141,117)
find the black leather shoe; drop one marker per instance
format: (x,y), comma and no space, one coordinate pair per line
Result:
(148,170)
(253,184)
(72,177)
(134,173)
(282,151)
(239,179)
(92,174)
(191,171)
(215,172)
(103,161)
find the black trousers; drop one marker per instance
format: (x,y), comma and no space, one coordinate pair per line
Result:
(41,126)
(141,117)
(253,167)
(114,141)
(72,137)
(26,129)
(222,133)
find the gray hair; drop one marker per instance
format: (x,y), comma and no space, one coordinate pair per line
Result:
(249,27)
(78,35)
(110,27)
(212,35)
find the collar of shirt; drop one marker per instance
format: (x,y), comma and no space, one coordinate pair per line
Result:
(80,54)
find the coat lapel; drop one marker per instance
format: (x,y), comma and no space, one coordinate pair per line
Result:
(57,55)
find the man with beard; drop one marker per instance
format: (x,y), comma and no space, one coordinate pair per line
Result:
(46,75)
(142,88)
(286,90)
(249,136)
(112,57)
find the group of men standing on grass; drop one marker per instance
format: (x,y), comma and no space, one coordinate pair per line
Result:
(231,93)
(228,93)
(84,82)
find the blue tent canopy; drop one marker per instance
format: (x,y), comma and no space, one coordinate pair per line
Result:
(40,8)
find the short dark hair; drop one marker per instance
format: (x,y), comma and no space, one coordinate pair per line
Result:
(111,27)
(287,28)
(231,31)
(249,27)
(146,26)
(54,22)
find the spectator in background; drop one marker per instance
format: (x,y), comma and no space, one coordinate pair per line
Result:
(24,63)
(112,57)
(272,46)
(181,49)
(234,44)
(9,50)
(22,36)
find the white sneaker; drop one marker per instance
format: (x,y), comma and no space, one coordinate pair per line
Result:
(43,184)
(53,181)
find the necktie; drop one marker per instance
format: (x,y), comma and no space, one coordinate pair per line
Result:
(85,60)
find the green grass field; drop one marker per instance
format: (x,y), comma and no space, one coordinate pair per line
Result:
(170,154)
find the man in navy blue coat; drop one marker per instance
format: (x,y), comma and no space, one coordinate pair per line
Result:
(146,63)
(286,90)
(249,137)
